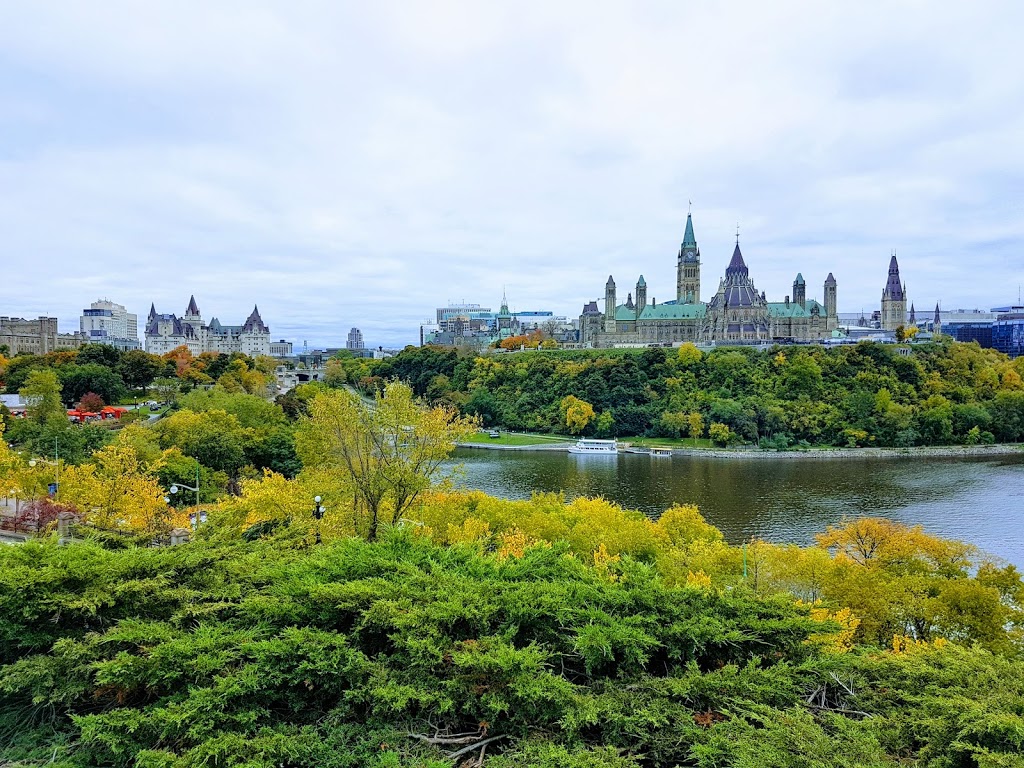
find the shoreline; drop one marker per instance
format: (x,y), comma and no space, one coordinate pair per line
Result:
(928,451)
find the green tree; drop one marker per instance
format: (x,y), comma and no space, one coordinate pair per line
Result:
(98,354)
(138,369)
(42,393)
(77,380)
(389,452)
(676,422)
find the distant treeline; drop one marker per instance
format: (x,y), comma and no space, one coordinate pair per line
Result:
(858,395)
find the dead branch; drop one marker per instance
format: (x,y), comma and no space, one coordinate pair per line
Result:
(455,738)
(478,745)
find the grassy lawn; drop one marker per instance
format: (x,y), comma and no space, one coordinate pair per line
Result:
(667,442)
(518,438)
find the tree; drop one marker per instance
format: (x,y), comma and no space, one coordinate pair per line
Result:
(166,389)
(42,393)
(696,424)
(215,438)
(139,368)
(389,452)
(689,355)
(576,413)
(720,434)
(115,491)
(99,354)
(10,464)
(676,422)
(91,402)
(77,380)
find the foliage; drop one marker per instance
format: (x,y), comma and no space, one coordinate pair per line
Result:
(576,413)
(42,393)
(115,491)
(861,394)
(401,651)
(138,368)
(79,380)
(388,452)
(90,402)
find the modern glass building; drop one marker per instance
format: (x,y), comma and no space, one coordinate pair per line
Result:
(974,330)
(1008,333)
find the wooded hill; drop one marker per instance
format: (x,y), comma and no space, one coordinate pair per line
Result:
(858,395)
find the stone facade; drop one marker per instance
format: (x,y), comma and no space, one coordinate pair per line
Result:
(736,314)
(166,332)
(894,299)
(36,337)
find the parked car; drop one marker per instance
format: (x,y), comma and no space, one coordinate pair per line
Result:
(494,433)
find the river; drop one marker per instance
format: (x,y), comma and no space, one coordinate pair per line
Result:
(978,500)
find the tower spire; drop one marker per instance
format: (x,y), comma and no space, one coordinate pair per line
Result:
(688,266)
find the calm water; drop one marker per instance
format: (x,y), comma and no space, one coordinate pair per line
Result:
(975,500)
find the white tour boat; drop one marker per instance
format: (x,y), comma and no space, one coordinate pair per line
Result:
(589,446)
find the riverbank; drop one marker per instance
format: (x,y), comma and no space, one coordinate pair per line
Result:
(927,451)
(563,447)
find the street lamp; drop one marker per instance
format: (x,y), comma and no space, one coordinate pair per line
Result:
(56,467)
(318,514)
(175,487)
(195,520)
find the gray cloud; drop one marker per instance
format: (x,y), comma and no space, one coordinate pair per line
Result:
(348,165)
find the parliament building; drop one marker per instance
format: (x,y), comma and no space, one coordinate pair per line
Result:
(736,314)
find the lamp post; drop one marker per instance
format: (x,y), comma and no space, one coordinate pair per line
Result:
(56,467)
(175,487)
(318,515)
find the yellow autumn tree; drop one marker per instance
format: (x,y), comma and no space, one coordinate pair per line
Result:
(11,469)
(689,354)
(387,453)
(695,422)
(271,497)
(115,492)
(576,413)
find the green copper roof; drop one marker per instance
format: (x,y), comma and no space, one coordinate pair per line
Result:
(799,279)
(661,312)
(688,238)
(779,309)
(673,312)
(641,281)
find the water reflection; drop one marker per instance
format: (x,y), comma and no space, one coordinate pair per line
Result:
(976,500)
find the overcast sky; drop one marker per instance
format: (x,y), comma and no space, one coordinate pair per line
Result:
(360,164)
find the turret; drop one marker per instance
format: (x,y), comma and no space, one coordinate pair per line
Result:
(912,320)
(800,291)
(641,295)
(831,309)
(609,305)
(938,320)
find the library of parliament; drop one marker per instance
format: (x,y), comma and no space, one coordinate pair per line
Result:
(736,314)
